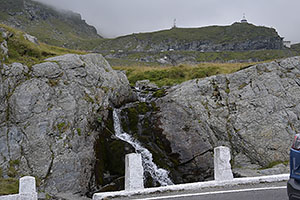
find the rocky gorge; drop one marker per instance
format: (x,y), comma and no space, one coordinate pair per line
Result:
(57,123)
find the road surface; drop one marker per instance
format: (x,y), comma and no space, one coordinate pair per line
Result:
(269,191)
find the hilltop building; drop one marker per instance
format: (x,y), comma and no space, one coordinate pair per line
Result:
(244,20)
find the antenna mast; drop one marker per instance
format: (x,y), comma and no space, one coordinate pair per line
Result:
(174,25)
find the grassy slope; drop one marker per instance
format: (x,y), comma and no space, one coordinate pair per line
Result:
(296,47)
(217,34)
(171,75)
(23,51)
(9,186)
(49,25)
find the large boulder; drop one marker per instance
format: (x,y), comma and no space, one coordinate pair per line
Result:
(255,112)
(46,117)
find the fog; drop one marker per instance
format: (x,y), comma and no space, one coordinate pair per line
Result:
(114,18)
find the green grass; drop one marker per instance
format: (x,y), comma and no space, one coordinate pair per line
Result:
(296,47)
(166,76)
(234,33)
(66,36)
(9,186)
(217,34)
(23,51)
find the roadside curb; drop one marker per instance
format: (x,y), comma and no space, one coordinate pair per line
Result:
(194,186)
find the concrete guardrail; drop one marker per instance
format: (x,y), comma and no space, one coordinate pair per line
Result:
(222,174)
(27,190)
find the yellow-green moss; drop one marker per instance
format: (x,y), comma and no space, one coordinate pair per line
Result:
(78,131)
(12,171)
(9,186)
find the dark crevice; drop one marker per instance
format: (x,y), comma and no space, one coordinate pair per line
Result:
(194,157)
(51,164)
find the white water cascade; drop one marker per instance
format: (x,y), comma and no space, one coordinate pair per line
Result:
(158,174)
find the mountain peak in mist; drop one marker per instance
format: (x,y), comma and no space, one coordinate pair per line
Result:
(50,25)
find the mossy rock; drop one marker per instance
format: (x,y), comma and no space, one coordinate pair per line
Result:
(159,93)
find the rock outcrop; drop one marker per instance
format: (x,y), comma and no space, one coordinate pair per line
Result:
(255,112)
(3,44)
(56,121)
(46,117)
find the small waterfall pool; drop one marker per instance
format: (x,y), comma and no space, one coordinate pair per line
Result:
(158,174)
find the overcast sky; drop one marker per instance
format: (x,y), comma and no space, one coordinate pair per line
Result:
(120,17)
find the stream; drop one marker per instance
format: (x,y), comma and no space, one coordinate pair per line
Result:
(158,174)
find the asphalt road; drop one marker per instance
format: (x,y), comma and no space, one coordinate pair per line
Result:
(273,191)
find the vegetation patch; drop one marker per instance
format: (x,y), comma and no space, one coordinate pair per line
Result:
(12,169)
(78,131)
(167,76)
(223,35)
(9,186)
(53,82)
(25,52)
(63,127)
(159,93)
(88,98)
(274,163)
(242,86)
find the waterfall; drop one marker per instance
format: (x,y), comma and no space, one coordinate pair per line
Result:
(158,174)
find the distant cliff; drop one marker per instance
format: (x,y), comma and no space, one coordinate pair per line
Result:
(236,37)
(60,28)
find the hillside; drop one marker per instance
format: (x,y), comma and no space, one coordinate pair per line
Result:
(16,47)
(239,42)
(235,43)
(60,28)
(296,47)
(236,37)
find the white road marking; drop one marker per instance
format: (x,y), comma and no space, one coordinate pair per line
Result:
(216,192)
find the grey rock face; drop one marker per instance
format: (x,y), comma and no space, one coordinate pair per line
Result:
(4,48)
(46,115)
(31,38)
(255,112)
(209,46)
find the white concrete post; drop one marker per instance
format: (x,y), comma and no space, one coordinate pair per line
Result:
(27,188)
(134,172)
(222,167)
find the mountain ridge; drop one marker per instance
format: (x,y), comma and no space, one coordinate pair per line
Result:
(235,37)
(49,25)
(239,42)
